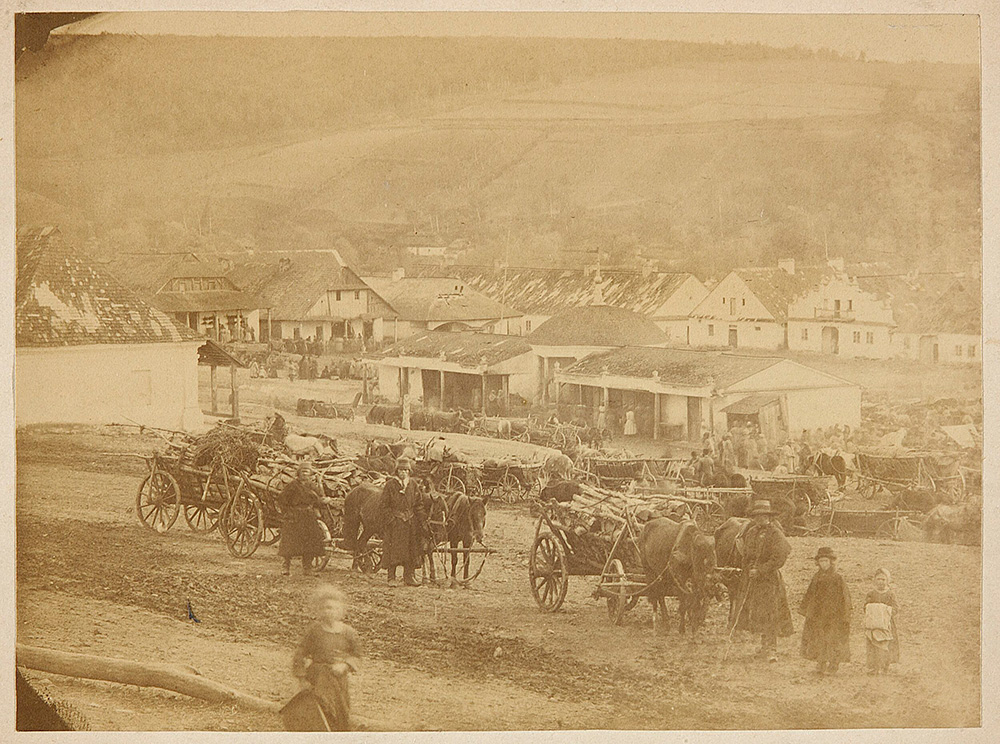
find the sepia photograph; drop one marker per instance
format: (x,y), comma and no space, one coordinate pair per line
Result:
(497,371)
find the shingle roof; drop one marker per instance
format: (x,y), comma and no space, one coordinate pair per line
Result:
(776,288)
(428,299)
(61,300)
(937,306)
(292,285)
(598,325)
(467,348)
(551,291)
(679,366)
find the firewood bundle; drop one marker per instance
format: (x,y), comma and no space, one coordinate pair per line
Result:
(239,447)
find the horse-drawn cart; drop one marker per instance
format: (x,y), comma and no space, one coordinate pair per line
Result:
(618,473)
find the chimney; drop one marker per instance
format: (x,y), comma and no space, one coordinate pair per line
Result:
(398,274)
(787,265)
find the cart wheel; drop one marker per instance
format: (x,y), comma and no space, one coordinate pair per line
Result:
(473,485)
(547,572)
(272,533)
(510,489)
(452,483)
(833,530)
(622,601)
(158,501)
(371,560)
(201,517)
(955,488)
(242,523)
(887,530)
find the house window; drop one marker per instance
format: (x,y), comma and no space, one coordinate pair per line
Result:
(958,350)
(744,302)
(857,337)
(870,337)
(972,352)
(850,304)
(338,295)
(711,329)
(805,334)
(756,328)
(296,333)
(357,294)
(527,326)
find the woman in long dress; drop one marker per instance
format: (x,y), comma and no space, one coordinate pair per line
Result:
(630,427)
(301,533)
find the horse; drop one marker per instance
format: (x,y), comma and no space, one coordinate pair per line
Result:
(679,561)
(363,513)
(466,519)
(945,521)
(729,554)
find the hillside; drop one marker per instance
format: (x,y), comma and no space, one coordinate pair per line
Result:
(700,156)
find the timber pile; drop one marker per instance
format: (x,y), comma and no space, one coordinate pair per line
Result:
(594,517)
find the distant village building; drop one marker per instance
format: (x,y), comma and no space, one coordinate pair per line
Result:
(939,326)
(749,307)
(311,294)
(199,295)
(578,332)
(89,350)
(421,304)
(461,369)
(846,316)
(679,393)
(664,298)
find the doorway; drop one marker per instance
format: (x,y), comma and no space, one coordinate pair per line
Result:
(733,337)
(694,419)
(831,340)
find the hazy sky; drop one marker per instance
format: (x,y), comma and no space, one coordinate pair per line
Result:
(938,38)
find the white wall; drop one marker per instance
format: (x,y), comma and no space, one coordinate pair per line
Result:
(353,303)
(684,299)
(750,334)
(877,345)
(153,384)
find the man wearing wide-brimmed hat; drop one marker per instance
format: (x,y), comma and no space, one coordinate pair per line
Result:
(761,604)
(402,509)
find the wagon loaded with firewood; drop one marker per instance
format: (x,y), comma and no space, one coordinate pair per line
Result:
(229,479)
(938,472)
(595,534)
(619,472)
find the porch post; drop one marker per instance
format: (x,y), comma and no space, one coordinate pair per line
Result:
(236,392)
(442,389)
(215,397)
(656,416)
(484,393)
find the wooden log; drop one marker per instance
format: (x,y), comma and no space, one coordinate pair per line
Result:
(185,680)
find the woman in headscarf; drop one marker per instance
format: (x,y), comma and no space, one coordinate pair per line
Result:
(881,636)
(301,533)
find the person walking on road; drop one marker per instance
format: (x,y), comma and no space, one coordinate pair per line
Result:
(826,635)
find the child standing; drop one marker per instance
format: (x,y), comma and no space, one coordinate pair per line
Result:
(827,609)
(881,638)
(322,661)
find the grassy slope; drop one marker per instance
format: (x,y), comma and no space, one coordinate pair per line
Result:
(707,158)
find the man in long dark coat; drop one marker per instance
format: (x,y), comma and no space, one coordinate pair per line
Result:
(404,513)
(762,603)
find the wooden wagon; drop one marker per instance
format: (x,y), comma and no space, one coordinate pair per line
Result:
(611,472)
(882,524)
(939,472)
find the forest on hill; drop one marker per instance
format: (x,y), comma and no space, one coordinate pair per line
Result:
(534,151)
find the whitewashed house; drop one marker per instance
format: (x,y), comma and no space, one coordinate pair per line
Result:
(573,334)
(679,393)
(842,315)
(89,350)
(458,369)
(939,325)
(420,304)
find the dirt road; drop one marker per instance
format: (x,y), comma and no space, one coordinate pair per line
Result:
(92,579)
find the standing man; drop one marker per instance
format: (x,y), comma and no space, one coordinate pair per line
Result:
(402,510)
(762,604)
